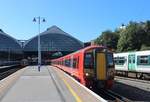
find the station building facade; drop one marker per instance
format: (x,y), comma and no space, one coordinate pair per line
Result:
(54,43)
(10,49)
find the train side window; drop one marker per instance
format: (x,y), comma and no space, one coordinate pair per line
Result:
(120,60)
(129,60)
(67,62)
(133,60)
(115,60)
(89,61)
(143,60)
(78,62)
(63,62)
(75,62)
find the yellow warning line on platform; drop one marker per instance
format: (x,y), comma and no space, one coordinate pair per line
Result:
(73,93)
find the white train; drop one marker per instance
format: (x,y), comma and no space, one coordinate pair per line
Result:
(133,62)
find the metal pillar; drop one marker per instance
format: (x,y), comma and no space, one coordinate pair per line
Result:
(39,40)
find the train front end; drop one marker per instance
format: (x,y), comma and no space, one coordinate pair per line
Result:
(99,68)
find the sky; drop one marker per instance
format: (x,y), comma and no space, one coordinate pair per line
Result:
(83,19)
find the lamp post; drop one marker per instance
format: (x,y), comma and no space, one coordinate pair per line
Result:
(39,20)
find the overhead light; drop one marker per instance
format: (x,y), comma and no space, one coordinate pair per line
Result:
(44,20)
(34,20)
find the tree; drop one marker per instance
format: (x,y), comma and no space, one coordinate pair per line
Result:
(145,47)
(147,37)
(108,38)
(132,37)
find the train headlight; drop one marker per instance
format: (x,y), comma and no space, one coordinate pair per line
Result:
(86,74)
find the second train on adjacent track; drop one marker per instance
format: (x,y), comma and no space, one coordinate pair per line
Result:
(137,62)
(90,66)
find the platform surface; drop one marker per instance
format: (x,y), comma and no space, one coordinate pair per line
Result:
(35,86)
(49,85)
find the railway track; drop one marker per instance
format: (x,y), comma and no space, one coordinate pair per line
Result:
(133,79)
(110,95)
(114,96)
(133,89)
(7,73)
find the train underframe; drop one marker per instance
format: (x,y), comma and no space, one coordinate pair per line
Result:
(105,84)
(138,75)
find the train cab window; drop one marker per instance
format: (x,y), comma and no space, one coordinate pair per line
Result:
(143,60)
(110,62)
(89,61)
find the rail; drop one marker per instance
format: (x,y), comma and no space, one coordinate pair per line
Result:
(112,96)
(7,70)
(133,79)
(3,67)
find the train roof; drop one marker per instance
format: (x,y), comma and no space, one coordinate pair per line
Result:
(83,50)
(133,52)
(91,47)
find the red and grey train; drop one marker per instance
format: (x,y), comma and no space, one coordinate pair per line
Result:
(91,66)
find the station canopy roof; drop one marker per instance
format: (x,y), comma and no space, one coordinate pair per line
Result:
(54,39)
(8,43)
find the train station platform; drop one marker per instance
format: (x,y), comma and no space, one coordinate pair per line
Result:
(48,85)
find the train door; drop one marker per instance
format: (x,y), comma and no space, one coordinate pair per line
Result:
(89,65)
(131,62)
(100,65)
